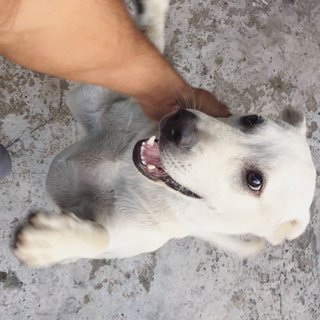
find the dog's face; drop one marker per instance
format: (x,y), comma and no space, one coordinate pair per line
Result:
(252,174)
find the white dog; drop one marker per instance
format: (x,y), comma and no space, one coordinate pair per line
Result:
(122,191)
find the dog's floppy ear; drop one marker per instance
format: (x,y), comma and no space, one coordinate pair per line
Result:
(288,230)
(295,118)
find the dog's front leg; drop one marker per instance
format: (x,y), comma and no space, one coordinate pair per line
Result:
(50,239)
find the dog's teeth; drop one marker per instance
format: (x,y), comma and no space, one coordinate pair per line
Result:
(151,166)
(151,140)
(143,162)
(142,151)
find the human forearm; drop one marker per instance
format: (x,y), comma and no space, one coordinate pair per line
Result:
(92,41)
(109,51)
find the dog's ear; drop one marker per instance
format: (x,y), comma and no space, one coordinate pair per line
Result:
(288,230)
(295,118)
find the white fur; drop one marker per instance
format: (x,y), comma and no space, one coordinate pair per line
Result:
(97,180)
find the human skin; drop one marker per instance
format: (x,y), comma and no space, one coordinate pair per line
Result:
(96,41)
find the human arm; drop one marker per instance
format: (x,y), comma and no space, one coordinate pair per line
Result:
(96,41)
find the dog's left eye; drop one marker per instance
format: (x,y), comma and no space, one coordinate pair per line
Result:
(254,181)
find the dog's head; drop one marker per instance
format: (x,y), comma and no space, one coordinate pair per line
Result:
(248,173)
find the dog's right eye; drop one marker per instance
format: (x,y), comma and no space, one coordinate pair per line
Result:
(254,181)
(251,121)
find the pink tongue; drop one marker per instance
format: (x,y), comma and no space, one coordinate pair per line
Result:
(152,155)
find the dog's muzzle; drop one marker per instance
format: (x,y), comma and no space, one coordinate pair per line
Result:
(180,129)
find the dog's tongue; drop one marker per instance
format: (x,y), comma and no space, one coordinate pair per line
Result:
(151,155)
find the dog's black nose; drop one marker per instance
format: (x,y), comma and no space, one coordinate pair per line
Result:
(180,129)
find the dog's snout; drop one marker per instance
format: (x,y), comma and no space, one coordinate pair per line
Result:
(180,129)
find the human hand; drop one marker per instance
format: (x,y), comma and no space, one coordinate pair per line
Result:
(188,98)
(206,102)
(48,37)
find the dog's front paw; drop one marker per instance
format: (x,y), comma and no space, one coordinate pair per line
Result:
(57,238)
(47,239)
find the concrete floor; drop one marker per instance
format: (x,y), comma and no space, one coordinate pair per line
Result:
(259,56)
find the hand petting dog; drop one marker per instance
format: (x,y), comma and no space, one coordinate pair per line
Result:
(96,42)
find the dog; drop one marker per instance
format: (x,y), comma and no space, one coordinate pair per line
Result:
(131,184)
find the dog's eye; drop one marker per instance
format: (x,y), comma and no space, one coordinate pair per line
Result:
(254,181)
(251,120)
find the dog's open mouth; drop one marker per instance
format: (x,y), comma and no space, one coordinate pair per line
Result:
(146,157)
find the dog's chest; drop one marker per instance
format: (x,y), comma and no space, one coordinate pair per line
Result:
(140,221)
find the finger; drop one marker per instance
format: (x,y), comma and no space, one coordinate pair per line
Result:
(208,103)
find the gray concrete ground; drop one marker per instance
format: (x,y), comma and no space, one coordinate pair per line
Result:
(259,56)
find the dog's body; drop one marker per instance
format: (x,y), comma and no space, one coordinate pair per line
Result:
(210,178)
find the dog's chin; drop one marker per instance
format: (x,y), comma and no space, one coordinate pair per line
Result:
(146,158)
